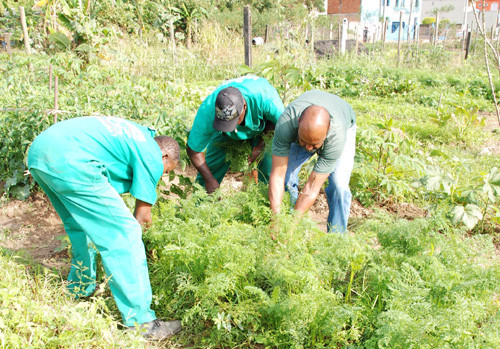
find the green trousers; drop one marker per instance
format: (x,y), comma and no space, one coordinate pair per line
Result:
(215,158)
(96,213)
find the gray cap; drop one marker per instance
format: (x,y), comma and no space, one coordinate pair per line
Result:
(228,107)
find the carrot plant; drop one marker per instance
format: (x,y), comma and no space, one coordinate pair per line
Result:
(214,264)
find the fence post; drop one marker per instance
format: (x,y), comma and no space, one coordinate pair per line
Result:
(247,34)
(467,45)
(344,36)
(26,38)
(409,24)
(340,36)
(172,33)
(399,36)
(266,34)
(8,47)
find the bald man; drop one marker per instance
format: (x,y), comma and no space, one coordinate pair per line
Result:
(320,123)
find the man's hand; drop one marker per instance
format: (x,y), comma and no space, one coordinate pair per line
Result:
(211,185)
(142,213)
(309,194)
(198,161)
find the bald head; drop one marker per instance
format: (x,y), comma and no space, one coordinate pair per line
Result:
(314,123)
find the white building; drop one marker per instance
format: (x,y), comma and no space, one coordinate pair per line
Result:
(461,12)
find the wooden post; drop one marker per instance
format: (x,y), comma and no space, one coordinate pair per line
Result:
(409,25)
(331,31)
(399,35)
(247,34)
(172,33)
(56,91)
(436,33)
(266,34)
(384,23)
(8,47)
(50,77)
(340,35)
(26,38)
(467,45)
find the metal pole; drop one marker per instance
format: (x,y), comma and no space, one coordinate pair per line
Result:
(344,36)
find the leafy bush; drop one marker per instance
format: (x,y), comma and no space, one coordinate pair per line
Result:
(17,131)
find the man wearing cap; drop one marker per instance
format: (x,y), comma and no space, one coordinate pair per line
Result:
(240,109)
(320,123)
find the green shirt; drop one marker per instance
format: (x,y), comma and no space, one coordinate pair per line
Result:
(82,150)
(341,118)
(263,104)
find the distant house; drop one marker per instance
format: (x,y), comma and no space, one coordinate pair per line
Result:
(460,12)
(366,16)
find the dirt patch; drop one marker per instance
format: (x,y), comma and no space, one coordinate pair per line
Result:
(32,227)
(492,145)
(404,210)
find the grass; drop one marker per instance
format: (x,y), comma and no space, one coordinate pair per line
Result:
(37,313)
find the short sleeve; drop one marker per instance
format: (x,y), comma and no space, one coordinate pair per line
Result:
(147,169)
(274,106)
(202,130)
(284,136)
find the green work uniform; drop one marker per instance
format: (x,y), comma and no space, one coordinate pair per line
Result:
(263,105)
(83,164)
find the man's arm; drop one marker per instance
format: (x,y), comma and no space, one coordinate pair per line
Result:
(309,194)
(142,213)
(277,182)
(198,161)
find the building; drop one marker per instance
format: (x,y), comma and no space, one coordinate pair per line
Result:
(461,13)
(366,17)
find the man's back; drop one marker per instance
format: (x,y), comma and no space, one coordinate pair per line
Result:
(82,150)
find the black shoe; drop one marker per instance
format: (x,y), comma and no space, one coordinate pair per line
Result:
(158,330)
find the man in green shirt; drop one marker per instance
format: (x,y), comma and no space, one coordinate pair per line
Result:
(83,164)
(241,109)
(322,123)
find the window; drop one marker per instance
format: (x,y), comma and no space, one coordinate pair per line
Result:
(417,3)
(388,2)
(395,27)
(397,3)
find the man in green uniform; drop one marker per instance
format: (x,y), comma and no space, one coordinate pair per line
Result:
(322,123)
(83,164)
(240,109)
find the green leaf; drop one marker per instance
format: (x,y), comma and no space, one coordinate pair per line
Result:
(21,192)
(60,39)
(436,152)
(468,215)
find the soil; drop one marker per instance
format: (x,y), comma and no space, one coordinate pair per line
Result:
(492,146)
